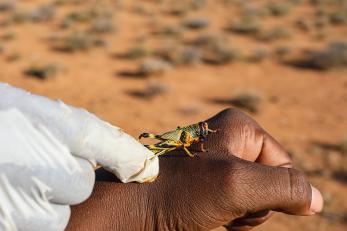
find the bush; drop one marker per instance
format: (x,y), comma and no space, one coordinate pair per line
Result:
(196,23)
(253,11)
(152,67)
(169,30)
(7,5)
(273,34)
(180,55)
(249,101)
(258,55)
(282,51)
(152,90)
(102,26)
(13,57)
(77,41)
(216,49)
(338,17)
(334,55)
(42,72)
(279,8)
(247,25)
(136,52)
(43,13)
(8,36)
(302,24)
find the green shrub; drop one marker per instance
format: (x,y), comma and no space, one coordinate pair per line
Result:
(247,25)
(249,101)
(258,55)
(273,34)
(77,41)
(279,8)
(15,56)
(136,52)
(102,26)
(216,49)
(338,17)
(282,51)
(152,90)
(43,13)
(302,24)
(7,5)
(152,67)
(334,55)
(42,71)
(196,23)
(180,55)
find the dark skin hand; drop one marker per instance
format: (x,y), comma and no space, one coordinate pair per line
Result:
(237,183)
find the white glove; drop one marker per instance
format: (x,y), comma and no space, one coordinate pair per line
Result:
(46,148)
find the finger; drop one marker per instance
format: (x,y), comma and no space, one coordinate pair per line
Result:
(273,154)
(56,219)
(258,187)
(85,134)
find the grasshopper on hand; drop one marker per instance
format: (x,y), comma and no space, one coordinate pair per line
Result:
(182,137)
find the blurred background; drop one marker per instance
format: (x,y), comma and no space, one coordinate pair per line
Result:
(152,65)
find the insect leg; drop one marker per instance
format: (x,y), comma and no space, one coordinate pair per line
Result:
(213,131)
(188,152)
(202,149)
(150,135)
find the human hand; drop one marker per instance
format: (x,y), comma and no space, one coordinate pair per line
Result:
(47,153)
(242,177)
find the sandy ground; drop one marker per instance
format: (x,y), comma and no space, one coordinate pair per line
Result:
(298,106)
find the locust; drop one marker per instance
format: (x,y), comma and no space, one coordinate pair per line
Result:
(182,137)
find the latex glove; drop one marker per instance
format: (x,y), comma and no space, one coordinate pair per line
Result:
(47,150)
(85,135)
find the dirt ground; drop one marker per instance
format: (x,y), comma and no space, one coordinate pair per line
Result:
(305,109)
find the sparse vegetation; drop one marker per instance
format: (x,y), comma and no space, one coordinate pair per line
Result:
(279,8)
(302,24)
(152,90)
(42,71)
(249,101)
(282,51)
(7,5)
(102,26)
(258,55)
(247,25)
(77,41)
(273,34)
(196,23)
(169,31)
(136,52)
(153,67)
(338,17)
(180,55)
(8,36)
(216,49)
(334,55)
(43,13)
(12,57)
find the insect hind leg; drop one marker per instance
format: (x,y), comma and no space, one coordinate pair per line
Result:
(149,135)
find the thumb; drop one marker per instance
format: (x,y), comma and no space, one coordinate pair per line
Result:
(287,190)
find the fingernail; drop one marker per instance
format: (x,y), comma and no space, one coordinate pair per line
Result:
(316,201)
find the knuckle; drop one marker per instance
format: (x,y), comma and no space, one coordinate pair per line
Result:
(298,188)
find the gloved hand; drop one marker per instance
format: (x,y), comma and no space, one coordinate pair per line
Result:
(47,153)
